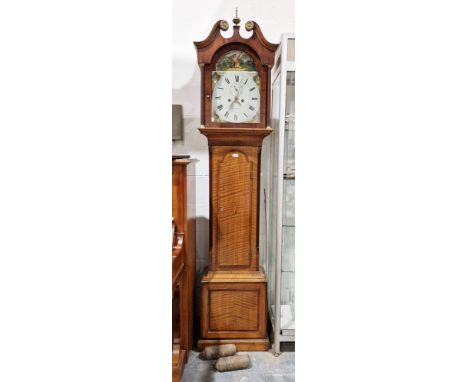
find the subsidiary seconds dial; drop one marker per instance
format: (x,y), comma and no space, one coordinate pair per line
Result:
(236,97)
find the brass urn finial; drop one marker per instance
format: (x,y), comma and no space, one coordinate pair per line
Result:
(236,20)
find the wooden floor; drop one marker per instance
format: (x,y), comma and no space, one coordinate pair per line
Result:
(265,368)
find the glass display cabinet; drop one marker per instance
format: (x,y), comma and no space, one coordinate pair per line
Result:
(278,196)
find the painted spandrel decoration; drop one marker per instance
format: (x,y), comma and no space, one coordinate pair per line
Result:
(236,60)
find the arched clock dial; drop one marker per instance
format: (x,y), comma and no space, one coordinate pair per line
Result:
(236,97)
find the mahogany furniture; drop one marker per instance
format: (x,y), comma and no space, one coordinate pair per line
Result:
(179,305)
(183,264)
(235,93)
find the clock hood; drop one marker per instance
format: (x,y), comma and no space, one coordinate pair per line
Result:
(208,47)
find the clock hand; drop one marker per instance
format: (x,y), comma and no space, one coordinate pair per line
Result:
(236,97)
(240,88)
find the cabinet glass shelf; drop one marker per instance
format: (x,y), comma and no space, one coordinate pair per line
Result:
(277,238)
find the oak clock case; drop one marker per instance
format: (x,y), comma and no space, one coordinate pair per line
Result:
(235,94)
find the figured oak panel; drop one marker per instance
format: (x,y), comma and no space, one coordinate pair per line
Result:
(233,310)
(234,207)
(234,216)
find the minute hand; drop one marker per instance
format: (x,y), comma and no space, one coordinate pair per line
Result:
(239,92)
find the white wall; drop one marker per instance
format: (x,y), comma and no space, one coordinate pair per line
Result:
(192,21)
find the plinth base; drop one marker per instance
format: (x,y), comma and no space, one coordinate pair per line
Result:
(234,310)
(241,345)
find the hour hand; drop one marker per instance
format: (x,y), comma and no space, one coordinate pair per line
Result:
(239,91)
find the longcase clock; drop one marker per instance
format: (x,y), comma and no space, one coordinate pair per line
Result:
(235,109)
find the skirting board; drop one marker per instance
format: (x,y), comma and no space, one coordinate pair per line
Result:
(262,344)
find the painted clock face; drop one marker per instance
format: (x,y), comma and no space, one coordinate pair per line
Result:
(236,96)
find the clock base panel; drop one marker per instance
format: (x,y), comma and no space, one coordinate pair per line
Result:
(234,310)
